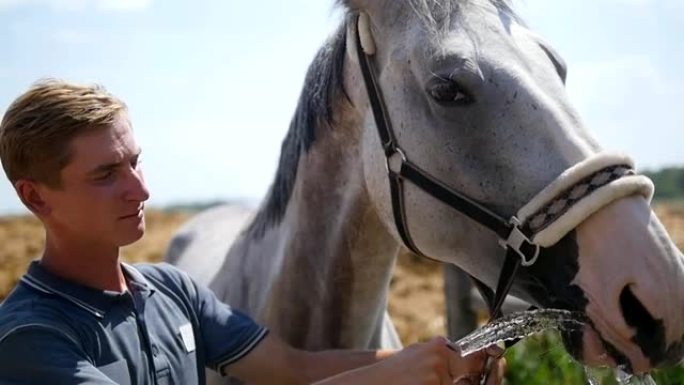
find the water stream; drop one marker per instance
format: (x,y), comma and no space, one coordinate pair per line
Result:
(620,375)
(591,378)
(523,324)
(520,325)
(625,378)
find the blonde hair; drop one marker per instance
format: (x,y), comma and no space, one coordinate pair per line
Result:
(37,129)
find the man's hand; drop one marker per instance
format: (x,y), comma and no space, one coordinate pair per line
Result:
(430,363)
(488,363)
(435,362)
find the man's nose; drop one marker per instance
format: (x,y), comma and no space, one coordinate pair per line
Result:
(136,190)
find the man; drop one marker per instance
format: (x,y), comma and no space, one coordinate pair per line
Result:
(80,315)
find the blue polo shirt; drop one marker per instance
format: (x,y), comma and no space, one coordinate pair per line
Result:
(165,330)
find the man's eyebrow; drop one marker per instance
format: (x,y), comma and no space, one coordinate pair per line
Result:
(112,166)
(104,168)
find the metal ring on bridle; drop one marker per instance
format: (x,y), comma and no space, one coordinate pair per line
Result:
(516,239)
(395,160)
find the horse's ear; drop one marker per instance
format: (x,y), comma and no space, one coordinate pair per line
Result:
(354,4)
(369,6)
(368,11)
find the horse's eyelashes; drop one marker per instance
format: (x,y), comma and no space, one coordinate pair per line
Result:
(449,93)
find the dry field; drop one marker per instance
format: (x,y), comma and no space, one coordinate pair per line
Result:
(416,300)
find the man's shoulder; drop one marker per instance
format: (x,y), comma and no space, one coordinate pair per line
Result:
(29,309)
(158,268)
(167,276)
(161,271)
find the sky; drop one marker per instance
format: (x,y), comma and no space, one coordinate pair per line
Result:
(211,85)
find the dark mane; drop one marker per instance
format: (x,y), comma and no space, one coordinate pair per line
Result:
(322,86)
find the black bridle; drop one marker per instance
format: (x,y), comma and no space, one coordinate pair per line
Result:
(520,250)
(514,236)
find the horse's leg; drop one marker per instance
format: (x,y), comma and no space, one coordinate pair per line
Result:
(461,317)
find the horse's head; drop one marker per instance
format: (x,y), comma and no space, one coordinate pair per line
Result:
(477,101)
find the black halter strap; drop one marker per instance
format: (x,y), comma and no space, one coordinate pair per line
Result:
(519,249)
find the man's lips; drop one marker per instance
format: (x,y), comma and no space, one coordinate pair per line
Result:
(130,216)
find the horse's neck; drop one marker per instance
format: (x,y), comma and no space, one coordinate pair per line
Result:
(329,261)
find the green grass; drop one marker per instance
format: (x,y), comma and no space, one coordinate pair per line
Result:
(542,360)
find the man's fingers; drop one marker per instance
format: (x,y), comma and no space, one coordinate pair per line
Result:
(472,363)
(495,351)
(471,379)
(486,362)
(496,373)
(442,365)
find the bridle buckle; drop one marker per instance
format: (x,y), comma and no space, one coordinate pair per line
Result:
(516,239)
(394,160)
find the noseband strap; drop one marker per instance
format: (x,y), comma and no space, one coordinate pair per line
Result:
(559,208)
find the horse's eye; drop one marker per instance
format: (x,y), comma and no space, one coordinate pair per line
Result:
(449,93)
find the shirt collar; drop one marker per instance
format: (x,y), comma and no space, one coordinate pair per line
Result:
(137,281)
(95,301)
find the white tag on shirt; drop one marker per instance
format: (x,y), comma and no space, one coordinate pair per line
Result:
(188,337)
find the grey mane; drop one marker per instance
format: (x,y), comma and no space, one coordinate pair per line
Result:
(323,85)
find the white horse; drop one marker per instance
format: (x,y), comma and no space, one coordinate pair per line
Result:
(474,103)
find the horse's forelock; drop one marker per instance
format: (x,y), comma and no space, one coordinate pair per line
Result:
(436,15)
(427,6)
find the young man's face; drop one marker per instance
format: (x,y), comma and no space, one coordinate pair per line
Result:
(102,194)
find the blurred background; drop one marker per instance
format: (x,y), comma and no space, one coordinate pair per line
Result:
(211,86)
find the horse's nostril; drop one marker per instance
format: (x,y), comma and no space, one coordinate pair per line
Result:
(650,332)
(634,312)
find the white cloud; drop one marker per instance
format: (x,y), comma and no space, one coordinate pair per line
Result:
(57,5)
(633,2)
(631,106)
(616,79)
(123,5)
(9,3)
(80,5)
(73,36)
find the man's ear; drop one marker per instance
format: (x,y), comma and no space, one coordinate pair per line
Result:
(31,194)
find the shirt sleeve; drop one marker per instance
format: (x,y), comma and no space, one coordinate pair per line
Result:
(227,333)
(40,355)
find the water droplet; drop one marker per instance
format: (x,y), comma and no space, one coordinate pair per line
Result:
(591,378)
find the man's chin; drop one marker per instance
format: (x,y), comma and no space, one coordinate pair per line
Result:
(132,236)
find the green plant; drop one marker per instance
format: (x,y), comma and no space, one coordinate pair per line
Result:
(542,360)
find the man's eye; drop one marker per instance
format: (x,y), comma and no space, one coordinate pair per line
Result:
(135,162)
(105,176)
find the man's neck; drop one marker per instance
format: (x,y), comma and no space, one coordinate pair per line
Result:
(91,265)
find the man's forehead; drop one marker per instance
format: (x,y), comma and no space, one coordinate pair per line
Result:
(111,143)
